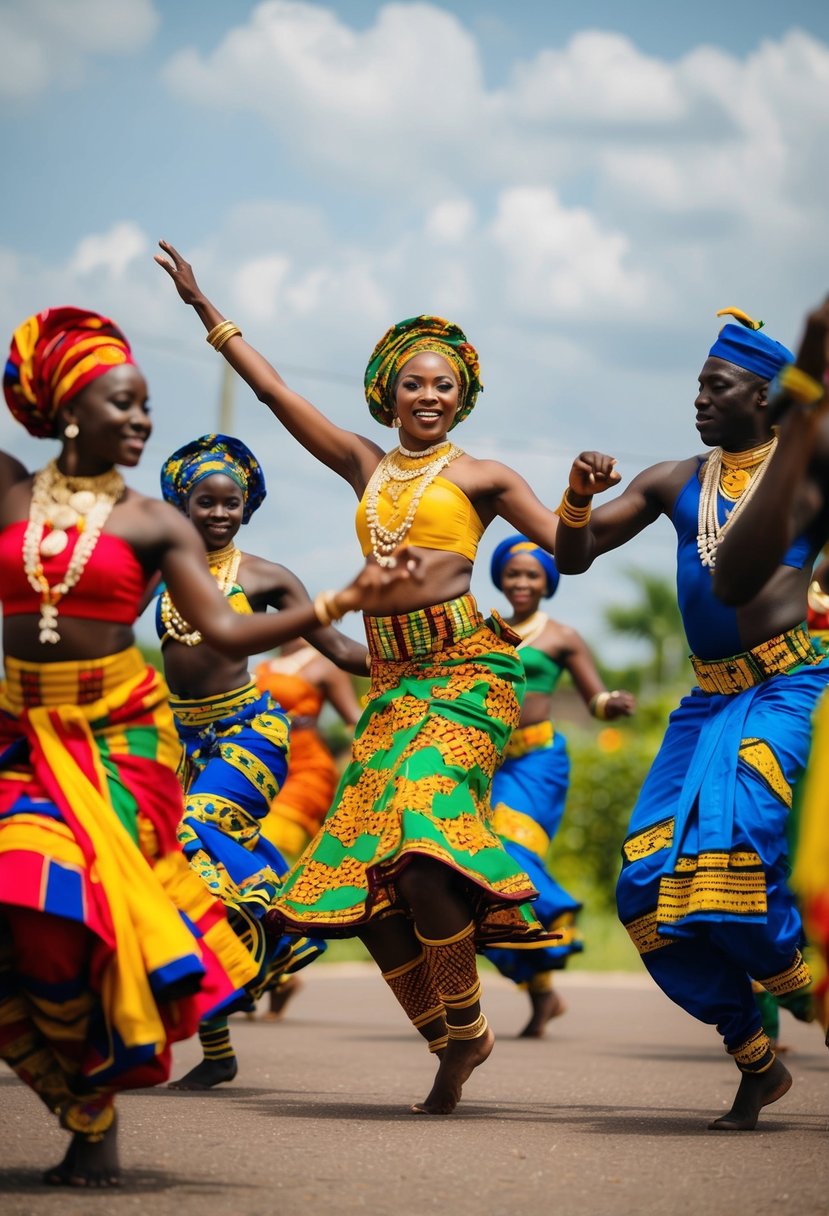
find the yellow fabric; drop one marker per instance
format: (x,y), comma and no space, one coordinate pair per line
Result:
(148,931)
(445,519)
(811,872)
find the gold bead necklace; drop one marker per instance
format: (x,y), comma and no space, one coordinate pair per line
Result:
(59,503)
(709,529)
(224,566)
(391,477)
(531,629)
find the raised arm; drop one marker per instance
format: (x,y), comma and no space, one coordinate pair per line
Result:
(584,534)
(198,599)
(351,456)
(793,496)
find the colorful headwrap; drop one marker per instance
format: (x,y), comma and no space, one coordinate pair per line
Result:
(54,355)
(409,338)
(744,346)
(514,545)
(206,456)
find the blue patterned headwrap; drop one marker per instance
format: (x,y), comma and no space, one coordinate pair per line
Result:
(206,456)
(519,544)
(744,346)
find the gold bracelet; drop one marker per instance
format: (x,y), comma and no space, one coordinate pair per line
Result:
(571,515)
(368,661)
(598,705)
(321,609)
(222,333)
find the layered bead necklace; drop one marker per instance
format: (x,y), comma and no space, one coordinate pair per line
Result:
(735,475)
(224,566)
(531,629)
(392,477)
(59,503)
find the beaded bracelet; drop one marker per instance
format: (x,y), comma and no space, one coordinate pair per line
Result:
(570,514)
(222,333)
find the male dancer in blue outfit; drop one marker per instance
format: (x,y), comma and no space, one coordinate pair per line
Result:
(703,889)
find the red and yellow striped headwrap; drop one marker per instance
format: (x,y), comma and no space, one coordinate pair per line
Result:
(54,354)
(407,339)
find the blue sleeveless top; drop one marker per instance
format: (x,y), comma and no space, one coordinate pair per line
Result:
(710,625)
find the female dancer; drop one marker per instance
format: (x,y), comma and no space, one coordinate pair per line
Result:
(99,972)
(406,857)
(235,738)
(530,787)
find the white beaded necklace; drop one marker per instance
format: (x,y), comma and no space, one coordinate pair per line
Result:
(709,529)
(224,566)
(391,475)
(58,503)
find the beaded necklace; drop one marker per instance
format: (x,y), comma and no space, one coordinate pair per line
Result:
(743,473)
(58,503)
(531,629)
(391,477)
(224,566)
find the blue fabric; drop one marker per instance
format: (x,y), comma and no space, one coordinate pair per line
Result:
(536,784)
(752,350)
(717,802)
(520,544)
(710,626)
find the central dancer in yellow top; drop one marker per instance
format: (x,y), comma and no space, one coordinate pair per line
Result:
(407,858)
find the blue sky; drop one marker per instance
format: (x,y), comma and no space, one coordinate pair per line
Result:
(579,186)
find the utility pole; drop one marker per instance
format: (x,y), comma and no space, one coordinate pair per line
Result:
(226,396)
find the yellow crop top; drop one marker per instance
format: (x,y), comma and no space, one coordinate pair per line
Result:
(445,519)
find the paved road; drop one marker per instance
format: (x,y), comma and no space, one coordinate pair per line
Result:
(605,1117)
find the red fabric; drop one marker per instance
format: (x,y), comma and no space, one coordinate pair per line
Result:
(110,588)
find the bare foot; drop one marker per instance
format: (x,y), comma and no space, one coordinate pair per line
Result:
(756,1091)
(457,1064)
(88,1163)
(279,997)
(546,1006)
(207,1074)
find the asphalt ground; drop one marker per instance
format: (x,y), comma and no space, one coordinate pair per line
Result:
(606,1116)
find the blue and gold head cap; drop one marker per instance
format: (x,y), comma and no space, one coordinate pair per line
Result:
(745,346)
(518,544)
(206,456)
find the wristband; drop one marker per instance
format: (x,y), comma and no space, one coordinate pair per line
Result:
(573,516)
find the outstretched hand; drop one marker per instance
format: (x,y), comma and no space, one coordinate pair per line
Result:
(180,271)
(592,473)
(369,590)
(812,358)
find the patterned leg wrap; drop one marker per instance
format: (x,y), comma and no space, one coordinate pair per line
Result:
(91,1117)
(25,1050)
(796,977)
(214,1037)
(755,1055)
(540,983)
(454,973)
(415,991)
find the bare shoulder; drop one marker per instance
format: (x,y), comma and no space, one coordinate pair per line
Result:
(560,640)
(259,576)
(11,471)
(664,480)
(482,476)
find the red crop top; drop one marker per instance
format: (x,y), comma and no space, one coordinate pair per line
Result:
(110,588)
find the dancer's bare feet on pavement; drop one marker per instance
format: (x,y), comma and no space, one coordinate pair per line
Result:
(458,1062)
(756,1090)
(88,1163)
(546,1006)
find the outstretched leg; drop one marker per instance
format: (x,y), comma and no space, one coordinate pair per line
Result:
(546,1005)
(219,1064)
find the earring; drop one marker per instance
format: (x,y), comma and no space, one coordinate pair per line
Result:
(395,421)
(71,430)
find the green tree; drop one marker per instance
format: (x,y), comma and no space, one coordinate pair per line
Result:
(653,618)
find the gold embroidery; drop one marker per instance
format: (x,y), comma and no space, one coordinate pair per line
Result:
(797,975)
(643,934)
(759,756)
(651,840)
(715,881)
(755,1055)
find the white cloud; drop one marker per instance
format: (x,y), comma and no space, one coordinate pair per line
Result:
(111,251)
(450,221)
(47,42)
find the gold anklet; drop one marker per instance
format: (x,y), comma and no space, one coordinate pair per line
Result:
(475,1030)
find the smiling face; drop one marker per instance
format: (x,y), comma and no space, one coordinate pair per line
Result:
(113,420)
(524,583)
(216,506)
(731,407)
(426,398)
